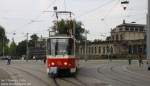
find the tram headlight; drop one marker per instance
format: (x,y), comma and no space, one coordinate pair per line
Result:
(52,63)
(65,63)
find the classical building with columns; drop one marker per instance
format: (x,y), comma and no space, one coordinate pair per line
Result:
(126,40)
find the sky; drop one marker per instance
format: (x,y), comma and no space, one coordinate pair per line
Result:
(97,16)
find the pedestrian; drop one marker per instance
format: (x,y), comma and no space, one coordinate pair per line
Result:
(44,60)
(33,57)
(8,60)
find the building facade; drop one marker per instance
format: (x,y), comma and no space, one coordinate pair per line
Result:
(126,40)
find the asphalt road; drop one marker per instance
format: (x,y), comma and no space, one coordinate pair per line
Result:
(91,73)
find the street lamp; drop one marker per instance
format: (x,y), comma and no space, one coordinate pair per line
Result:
(85,43)
(27,48)
(85,46)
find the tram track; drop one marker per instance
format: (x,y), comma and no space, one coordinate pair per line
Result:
(75,79)
(113,76)
(13,75)
(75,82)
(132,77)
(56,82)
(125,69)
(34,76)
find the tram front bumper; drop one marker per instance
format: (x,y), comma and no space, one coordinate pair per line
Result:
(52,70)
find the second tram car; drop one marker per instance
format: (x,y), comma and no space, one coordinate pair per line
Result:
(61,55)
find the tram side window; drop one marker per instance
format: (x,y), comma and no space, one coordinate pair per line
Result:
(56,48)
(52,46)
(49,46)
(70,46)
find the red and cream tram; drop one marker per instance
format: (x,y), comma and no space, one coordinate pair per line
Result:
(61,55)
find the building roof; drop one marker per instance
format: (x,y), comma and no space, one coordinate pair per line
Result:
(131,24)
(117,28)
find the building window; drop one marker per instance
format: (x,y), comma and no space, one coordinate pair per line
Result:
(108,49)
(95,50)
(116,37)
(103,50)
(120,29)
(135,49)
(140,49)
(136,29)
(144,49)
(91,50)
(121,37)
(127,29)
(112,37)
(81,51)
(131,29)
(99,49)
(141,29)
(130,49)
(111,50)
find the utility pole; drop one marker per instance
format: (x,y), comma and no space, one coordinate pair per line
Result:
(3,46)
(148,36)
(85,46)
(27,48)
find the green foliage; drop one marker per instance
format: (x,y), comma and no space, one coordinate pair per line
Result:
(79,31)
(3,41)
(12,49)
(21,48)
(66,27)
(33,41)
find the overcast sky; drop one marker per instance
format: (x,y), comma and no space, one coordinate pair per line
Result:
(98,16)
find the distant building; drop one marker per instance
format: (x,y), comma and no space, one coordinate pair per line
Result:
(126,40)
(128,31)
(39,50)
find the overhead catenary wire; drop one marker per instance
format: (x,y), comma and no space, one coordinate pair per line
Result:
(109,12)
(96,8)
(35,19)
(53,2)
(111,9)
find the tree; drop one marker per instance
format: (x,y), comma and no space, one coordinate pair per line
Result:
(12,49)
(21,48)
(66,27)
(3,41)
(33,41)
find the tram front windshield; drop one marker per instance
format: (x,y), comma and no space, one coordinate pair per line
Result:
(60,46)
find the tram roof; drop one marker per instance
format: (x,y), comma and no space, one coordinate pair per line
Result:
(60,36)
